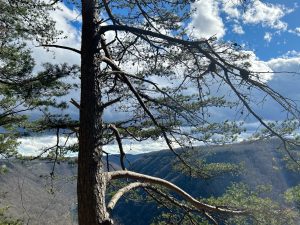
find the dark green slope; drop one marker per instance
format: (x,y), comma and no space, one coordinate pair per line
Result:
(262,165)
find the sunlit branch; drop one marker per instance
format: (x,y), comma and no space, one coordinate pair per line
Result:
(122,191)
(166,184)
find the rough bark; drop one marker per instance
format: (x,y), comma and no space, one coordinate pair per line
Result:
(91,184)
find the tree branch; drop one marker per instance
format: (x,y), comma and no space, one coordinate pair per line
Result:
(139,31)
(123,191)
(62,47)
(112,203)
(106,104)
(76,104)
(166,184)
(118,138)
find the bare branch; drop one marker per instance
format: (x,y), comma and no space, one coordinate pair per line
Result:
(166,184)
(112,203)
(136,30)
(106,104)
(62,47)
(123,191)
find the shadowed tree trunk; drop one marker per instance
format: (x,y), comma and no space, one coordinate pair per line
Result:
(91,180)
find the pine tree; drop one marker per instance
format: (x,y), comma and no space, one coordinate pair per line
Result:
(125,47)
(21,88)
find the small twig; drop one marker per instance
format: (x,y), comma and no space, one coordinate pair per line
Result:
(76,104)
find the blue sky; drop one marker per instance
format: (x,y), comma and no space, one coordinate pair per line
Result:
(269,30)
(266,39)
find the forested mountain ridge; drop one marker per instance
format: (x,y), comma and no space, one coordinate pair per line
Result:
(31,194)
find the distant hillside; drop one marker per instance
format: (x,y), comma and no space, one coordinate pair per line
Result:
(27,186)
(263,165)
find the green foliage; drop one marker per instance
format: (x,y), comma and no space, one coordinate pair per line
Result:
(8,145)
(200,168)
(21,89)
(6,220)
(3,169)
(26,19)
(260,210)
(176,217)
(292,196)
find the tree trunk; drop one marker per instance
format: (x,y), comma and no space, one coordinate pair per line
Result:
(91,182)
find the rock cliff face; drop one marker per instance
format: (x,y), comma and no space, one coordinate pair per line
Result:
(32,195)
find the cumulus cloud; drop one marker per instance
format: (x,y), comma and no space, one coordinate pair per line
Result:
(65,19)
(206,21)
(291,64)
(285,82)
(32,146)
(291,54)
(231,8)
(258,13)
(269,15)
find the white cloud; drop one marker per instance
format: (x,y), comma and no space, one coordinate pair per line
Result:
(65,19)
(269,15)
(206,21)
(268,36)
(32,146)
(231,8)
(295,31)
(238,29)
(285,64)
(286,82)
(257,65)
(291,54)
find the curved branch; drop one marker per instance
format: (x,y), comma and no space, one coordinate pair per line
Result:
(136,30)
(112,203)
(62,47)
(166,184)
(123,191)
